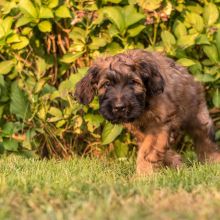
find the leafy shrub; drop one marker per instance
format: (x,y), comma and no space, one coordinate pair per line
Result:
(46,46)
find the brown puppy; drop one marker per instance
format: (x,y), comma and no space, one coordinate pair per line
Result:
(153,97)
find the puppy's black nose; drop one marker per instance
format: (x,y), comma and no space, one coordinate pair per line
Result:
(119,107)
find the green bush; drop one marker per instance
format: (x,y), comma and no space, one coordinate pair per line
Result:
(46,46)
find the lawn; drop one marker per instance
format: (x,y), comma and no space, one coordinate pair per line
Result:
(83,188)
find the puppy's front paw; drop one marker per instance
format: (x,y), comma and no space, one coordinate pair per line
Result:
(144,168)
(148,162)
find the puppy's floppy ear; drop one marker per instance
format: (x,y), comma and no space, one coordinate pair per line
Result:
(85,88)
(152,77)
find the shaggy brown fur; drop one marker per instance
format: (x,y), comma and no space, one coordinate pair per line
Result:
(153,97)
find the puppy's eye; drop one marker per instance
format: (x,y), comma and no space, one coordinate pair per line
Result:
(133,82)
(106,84)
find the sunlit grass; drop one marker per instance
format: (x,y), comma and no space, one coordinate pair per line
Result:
(84,188)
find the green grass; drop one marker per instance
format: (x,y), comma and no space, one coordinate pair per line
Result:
(84,188)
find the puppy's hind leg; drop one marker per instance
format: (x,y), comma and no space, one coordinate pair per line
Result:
(204,136)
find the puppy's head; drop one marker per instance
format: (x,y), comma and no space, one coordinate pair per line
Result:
(124,84)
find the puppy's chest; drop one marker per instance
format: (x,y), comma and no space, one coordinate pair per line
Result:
(156,118)
(152,125)
(145,124)
(151,121)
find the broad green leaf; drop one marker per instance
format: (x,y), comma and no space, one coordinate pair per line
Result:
(168,39)
(195,7)
(94,104)
(217,135)
(77,125)
(2,33)
(212,52)
(202,40)
(48,89)
(74,78)
(78,47)
(114,48)
(42,112)
(68,85)
(205,78)
(60,123)
(77,34)
(13,39)
(63,12)
(196,69)
(2,82)
(7,6)
(45,26)
(100,17)
(208,62)
(186,62)
(110,132)
(113,31)
(131,16)
(97,42)
(114,14)
(132,2)
(93,121)
(121,149)
(217,39)
(2,107)
(6,66)
(194,20)
(70,58)
(28,7)
(41,67)
(39,85)
(216,98)
(20,45)
(4,94)
(26,30)
(168,8)
(123,17)
(55,112)
(8,129)
(19,104)
(179,29)
(23,20)
(53,3)
(132,32)
(65,88)
(112,1)
(212,70)
(29,139)
(186,41)
(6,24)
(91,7)
(10,144)
(210,14)
(150,5)
(45,12)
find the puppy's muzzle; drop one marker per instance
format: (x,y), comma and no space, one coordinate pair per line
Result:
(119,107)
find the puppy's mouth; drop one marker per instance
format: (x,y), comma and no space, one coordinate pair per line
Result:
(117,118)
(128,114)
(121,120)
